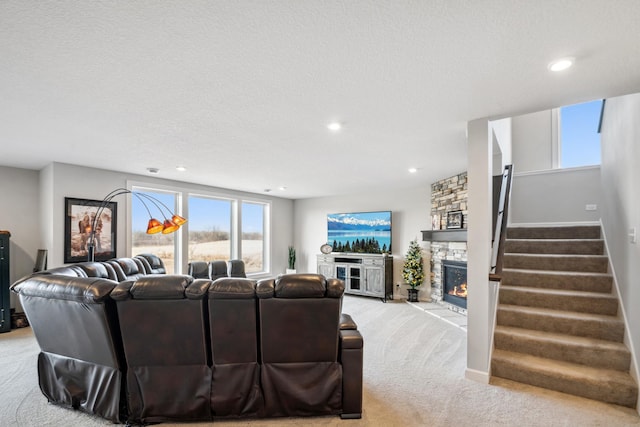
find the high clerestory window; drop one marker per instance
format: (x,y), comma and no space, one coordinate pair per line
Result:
(579,137)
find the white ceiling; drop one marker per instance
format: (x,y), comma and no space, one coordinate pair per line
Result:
(240,92)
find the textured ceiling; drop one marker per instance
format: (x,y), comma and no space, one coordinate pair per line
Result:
(240,92)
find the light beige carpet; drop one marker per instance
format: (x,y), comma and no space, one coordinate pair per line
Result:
(413,376)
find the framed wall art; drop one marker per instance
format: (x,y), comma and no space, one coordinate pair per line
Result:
(80,220)
(454,219)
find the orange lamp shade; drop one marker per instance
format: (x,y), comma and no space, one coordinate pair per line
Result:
(169,226)
(154,226)
(178,220)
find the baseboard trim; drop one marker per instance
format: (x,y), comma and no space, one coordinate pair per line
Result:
(554,224)
(477,376)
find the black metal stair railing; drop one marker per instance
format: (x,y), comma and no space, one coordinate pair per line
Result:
(500,232)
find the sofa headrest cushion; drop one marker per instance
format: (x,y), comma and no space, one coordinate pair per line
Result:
(129,266)
(155,263)
(97,269)
(53,286)
(160,286)
(300,286)
(232,288)
(199,269)
(69,270)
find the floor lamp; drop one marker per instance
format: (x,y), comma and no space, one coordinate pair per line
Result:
(171,223)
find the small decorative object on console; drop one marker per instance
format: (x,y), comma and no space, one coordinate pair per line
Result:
(435,222)
(326,248)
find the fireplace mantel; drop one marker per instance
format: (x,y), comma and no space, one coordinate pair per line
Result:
(459,235)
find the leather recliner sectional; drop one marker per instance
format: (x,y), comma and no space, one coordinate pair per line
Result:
(142,347)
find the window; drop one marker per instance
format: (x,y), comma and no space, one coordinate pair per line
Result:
(219,227)
(579,134)
(209,229)
(163,245)
(253,242)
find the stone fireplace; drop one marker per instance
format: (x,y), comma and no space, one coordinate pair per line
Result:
(442,253)
(448,242)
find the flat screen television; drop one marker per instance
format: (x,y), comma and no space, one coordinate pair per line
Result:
(360,232)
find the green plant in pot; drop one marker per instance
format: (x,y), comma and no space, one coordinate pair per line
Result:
(413,269)
(292,260)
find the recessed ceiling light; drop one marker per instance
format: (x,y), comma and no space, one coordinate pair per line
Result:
(283,188)
(181,168)
(561,64)
(413,170)
(334,126)
(153,170)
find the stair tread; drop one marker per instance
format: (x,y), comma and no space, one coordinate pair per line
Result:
(559,292)
(532,255)
(572,315)
(559,338)
(556,272)
(562,369)
(554,240)
(555,232)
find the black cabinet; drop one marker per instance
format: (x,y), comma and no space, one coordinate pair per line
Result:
(5,303)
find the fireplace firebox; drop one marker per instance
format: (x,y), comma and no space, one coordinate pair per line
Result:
(454,282)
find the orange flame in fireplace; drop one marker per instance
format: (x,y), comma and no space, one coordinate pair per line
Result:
(459,291)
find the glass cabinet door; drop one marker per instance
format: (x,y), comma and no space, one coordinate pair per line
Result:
(354,278)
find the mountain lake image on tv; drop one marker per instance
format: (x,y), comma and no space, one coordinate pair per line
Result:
(360,232)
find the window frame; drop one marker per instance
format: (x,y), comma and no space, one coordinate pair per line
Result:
(266,235)
(556,135)
(178,247)
(182,208)
(232,209)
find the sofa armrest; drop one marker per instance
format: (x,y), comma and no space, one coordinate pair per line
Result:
(351,350)
(347,323)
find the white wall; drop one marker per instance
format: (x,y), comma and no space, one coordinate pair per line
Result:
(502,144)
(410,215)
(480,293)
(534,141)
(555,196)
(20,216)
(621,203)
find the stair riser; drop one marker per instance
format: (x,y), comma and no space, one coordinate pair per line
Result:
(590,356)
(591,232)
(604,330)
(609,392)
(582,304)
(570,283)
(546,247)
(593,264)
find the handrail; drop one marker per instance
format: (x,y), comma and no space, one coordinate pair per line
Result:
(495,273)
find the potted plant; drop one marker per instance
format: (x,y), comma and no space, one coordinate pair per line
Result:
(413,270)
(292,260)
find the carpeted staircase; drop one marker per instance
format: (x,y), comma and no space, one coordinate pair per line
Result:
(557,323)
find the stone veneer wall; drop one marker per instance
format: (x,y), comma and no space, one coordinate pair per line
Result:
(452,251)
(447,195)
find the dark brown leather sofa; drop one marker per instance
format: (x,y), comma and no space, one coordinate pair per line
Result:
(123,342)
